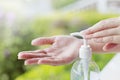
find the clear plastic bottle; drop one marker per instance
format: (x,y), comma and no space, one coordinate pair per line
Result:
(84,68)
(77,72)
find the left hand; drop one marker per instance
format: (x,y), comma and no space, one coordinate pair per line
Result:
(63,50)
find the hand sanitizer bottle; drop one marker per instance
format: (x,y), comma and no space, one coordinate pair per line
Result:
(84,68)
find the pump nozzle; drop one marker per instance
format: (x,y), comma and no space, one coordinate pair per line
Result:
(78,35)
(84,41)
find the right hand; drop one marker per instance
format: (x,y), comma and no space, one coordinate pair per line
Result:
(106,31)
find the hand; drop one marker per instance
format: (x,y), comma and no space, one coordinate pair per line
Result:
(106,31)
(63,50)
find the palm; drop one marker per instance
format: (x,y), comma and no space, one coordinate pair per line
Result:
(63,50)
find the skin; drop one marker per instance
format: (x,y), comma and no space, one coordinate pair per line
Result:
(63,50)
(102,37)
(56,54)
(106,31)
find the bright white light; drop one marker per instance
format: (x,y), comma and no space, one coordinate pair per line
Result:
(9,5)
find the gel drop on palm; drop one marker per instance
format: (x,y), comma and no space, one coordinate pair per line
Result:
(84,68)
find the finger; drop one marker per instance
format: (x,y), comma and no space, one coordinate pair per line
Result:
(35,51)
(110,39)
(39,51)
(43,41)
(31,61)
(104,33)
(113,47)
(28,55)
(102,25)
(52,61)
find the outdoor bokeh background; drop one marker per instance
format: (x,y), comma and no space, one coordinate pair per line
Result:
(23,20)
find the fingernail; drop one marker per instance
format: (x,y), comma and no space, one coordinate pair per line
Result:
(19,55)
(32,42)
(25,63)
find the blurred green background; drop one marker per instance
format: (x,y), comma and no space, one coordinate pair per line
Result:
(18,27)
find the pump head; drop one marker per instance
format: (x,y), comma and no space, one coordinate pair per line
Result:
(85,51)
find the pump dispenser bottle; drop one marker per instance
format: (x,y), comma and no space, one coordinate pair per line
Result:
(84,68)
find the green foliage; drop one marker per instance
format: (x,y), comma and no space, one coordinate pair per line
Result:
(46,73)
(13,43)
(102,59)
(93,17)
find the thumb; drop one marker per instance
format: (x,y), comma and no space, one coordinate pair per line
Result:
(114,47)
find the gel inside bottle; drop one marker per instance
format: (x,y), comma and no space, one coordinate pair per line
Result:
(84,68)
